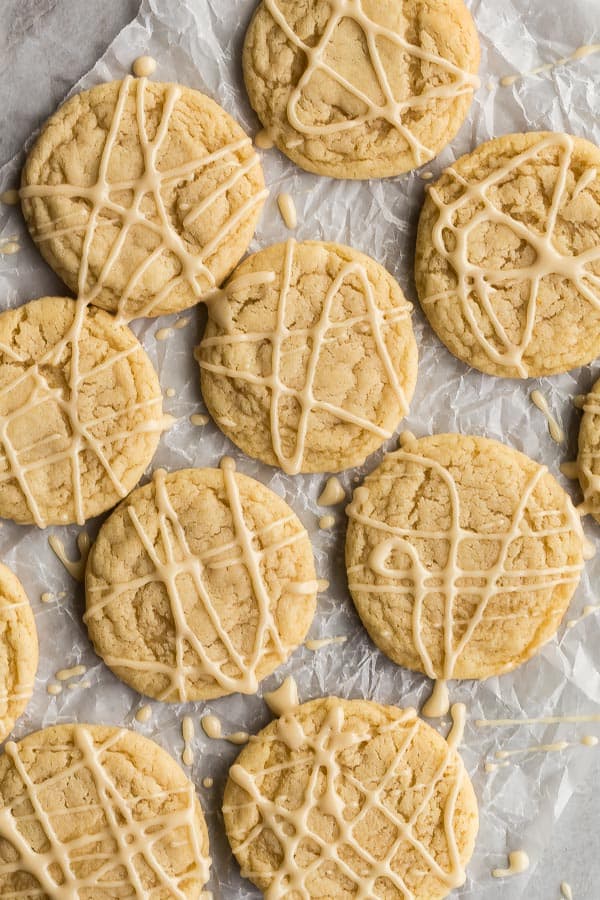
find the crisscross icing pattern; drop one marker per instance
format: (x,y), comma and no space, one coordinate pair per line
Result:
(477,283)
(220,660)
(325,331)
(421,579)
(147,843)
(315,757)
(104,208)
(400,114)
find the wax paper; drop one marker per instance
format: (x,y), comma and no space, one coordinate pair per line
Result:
(198,42)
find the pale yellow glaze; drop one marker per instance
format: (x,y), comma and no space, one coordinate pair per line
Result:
(518,862)
(284,698)
(333,493)
(556,432)
(75,568)
(144,66)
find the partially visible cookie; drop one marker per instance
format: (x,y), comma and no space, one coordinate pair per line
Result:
(347,798)
(588,457)
(142,196)
(508,255)
(18,650)
(80,412)
(98,812)
(199,585)
(462,556)
(361,89)
(309,361)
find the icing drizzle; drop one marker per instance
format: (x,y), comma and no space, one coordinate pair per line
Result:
(397,113)
(477,283)
(138,838)
(375,320)
(218,659)
(101,202)
(321,756)
(421,581)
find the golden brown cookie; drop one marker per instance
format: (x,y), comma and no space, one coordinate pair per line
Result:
(80,412)
(18,650)
(508,255)
(309,360)
(199,585)
(346,798)
(462,556)
(142,196)
(98,812)
(588,457)
(361,88)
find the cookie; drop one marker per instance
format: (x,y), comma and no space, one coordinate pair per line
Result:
(347,798)
(309,360)
(508,255)
(98,812)
(142,196)
(588,457)
(361,89)
(18,650)
(199,585)
(80,412)
(462,556)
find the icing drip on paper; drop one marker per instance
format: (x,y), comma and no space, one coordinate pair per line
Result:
(264,139)
(426,579)
(144,66)
(588,610)
(556,432)
(177,559)
(518,863)
(101,200)
(396,113)
(75,567)
(10,197)
(54,689)
(284,698)
(326,522)
(566,891)
(144,714)
(376,320)
(207,782)
(198,419)
(74,672)
(135,834)
(9,247)
(580,53)
(187,732)
(287,208)
(322,752)
(332,494)
(475,283)
(213,729)
(318,643)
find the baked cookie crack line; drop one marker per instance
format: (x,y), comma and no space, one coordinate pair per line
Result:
(391,110)
(144,833)
(316,336)
(479,280)
(291,826)
(180,560)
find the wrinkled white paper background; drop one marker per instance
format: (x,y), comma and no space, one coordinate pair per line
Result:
(198,42)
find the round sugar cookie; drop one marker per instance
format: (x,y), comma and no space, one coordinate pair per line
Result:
(361,88)
(95,811)
(142,196)
(309,361)
(588,456)
(18,650)
(80,412)
(345,798)
(199,585)
(508,255)
(462,556)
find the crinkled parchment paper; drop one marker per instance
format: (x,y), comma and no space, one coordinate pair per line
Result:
(198,42)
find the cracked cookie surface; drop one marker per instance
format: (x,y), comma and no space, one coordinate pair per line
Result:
(142,196)
(199,585)
(18,650)
(309,362)
(361,88)
(344,798)
(80,412)
(462,556)
(98,812)
(508,255)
